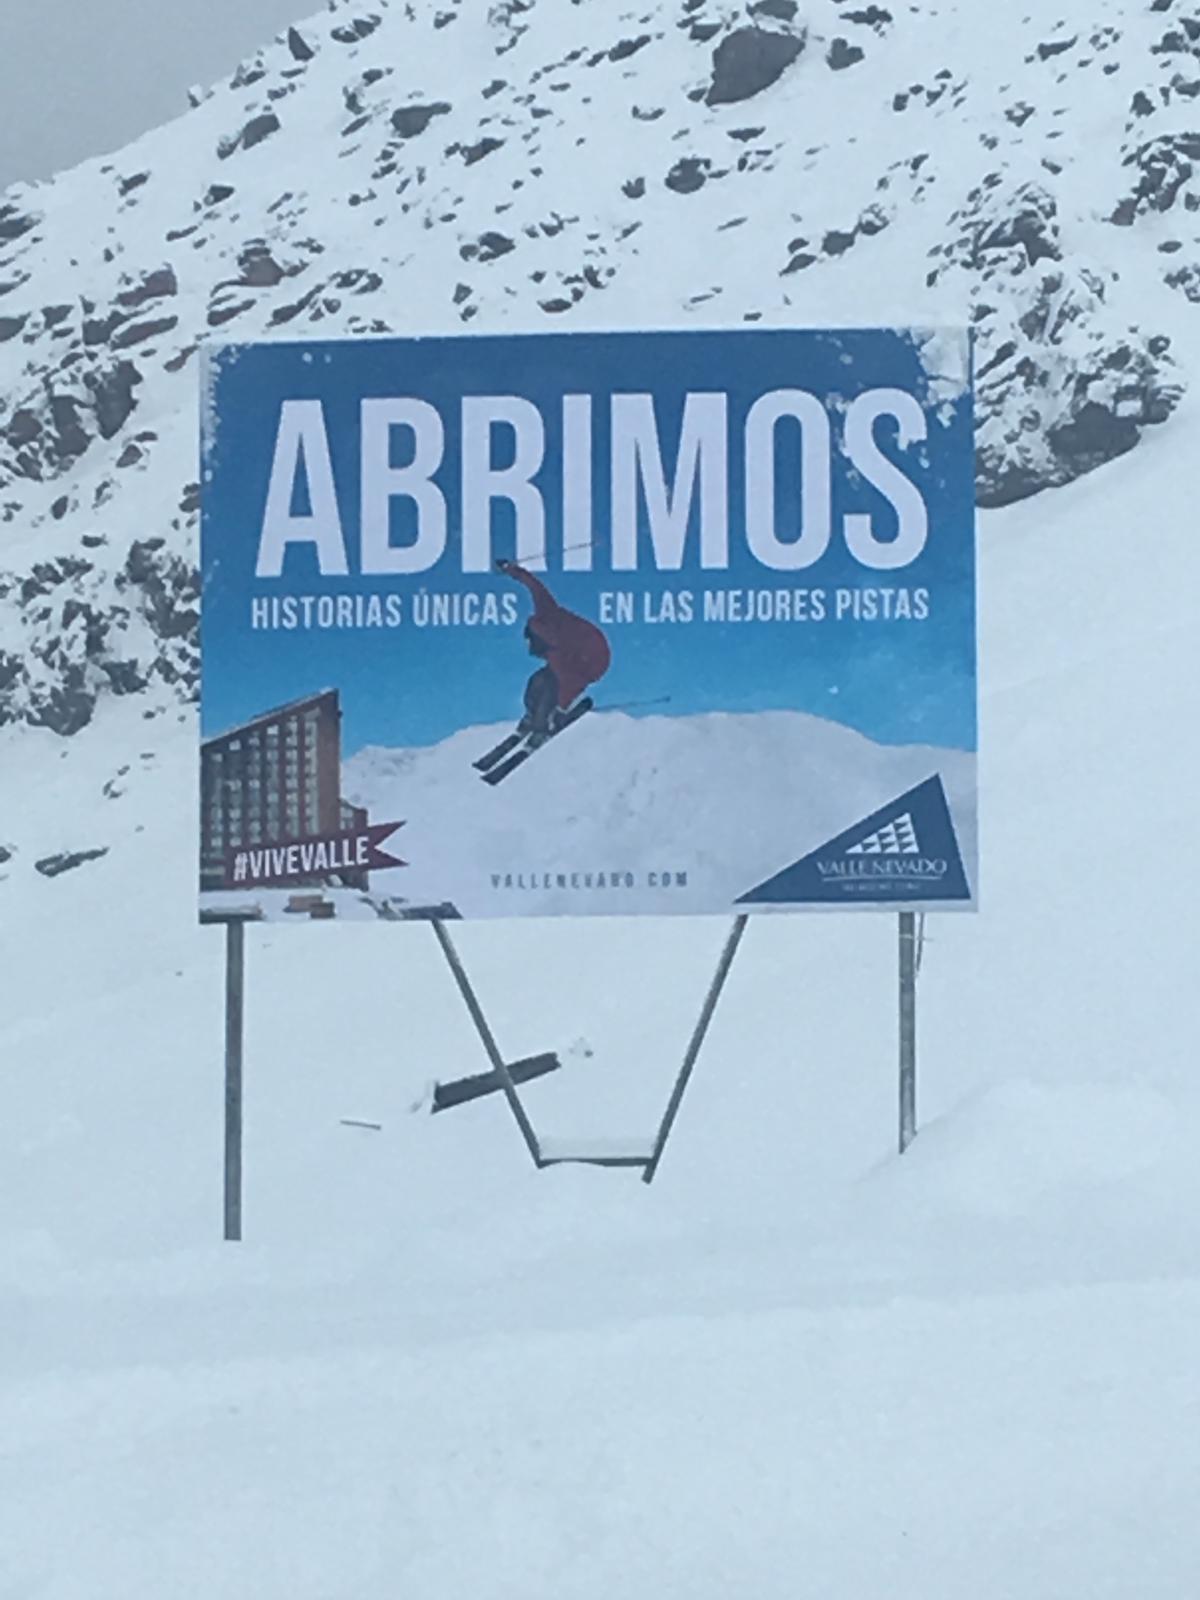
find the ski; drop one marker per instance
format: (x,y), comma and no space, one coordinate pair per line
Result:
(498,773)
(503,768)
(498,752)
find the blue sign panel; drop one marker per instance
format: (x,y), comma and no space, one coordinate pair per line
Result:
(574,624)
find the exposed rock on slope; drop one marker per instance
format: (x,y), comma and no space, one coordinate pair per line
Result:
(749,60)
(550,163)
(1062,384)
(78,629)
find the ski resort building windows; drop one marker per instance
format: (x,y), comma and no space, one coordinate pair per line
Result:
(272,780)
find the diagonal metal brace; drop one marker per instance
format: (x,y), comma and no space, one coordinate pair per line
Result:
(504,1076)
(499,1065)
(693,1050)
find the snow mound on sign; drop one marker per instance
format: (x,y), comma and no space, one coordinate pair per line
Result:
(721,800)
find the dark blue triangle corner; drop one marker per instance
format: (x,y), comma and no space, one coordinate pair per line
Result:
(905,852)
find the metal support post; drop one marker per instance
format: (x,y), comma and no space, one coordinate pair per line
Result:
(489,1044)
(693,1050)
(908,1029)
(235,988)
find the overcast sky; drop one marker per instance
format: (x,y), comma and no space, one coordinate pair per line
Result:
(79,78)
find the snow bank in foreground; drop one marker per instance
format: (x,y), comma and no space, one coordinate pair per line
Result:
(1008,1446)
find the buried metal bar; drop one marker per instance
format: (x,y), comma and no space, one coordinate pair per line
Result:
(693,1050)
(235,991)
(460,1091)
(908,1029)
(595,1161)
(489,1044)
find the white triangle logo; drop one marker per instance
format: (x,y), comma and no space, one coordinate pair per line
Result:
(897,838)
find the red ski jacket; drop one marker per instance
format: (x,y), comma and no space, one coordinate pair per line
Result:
(576,650)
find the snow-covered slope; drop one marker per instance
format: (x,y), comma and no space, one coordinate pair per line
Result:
(795,1364)
(554,164)
(962,1371)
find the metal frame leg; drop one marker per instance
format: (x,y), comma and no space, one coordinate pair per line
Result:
(489,1043)
(235,991)
(693,1050)
(908,1029)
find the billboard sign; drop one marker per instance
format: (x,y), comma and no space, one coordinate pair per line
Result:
(629,623)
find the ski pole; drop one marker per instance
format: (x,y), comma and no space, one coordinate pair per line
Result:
(584,544)
(634,705)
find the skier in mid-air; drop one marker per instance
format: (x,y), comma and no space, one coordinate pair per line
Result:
(573,651)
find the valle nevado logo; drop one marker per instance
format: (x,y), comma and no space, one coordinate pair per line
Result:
(906,851)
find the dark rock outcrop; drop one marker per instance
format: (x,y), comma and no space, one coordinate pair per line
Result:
(749,60)
(253,133)
(156,285)
(409,121)
(1062,383)
(67,860)
(113,394)
(14,223)
(842,54)
(1164,168)
(260,128)
(299,47)
(688,174)
(84,631)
